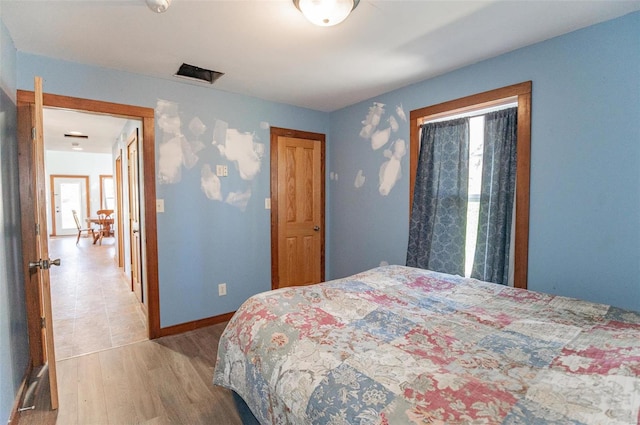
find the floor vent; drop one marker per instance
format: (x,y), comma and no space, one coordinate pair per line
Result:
(195,73)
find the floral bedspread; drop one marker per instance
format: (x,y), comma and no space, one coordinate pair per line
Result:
(397,345)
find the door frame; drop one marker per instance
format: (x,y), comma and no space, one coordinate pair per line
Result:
(119,214)
(276,133)
(135,251)
(52,178)
(146,115)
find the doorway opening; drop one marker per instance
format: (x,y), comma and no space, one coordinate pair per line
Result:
(93,305)
(145,116)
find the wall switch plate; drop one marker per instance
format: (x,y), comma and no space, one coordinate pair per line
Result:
(222,170)
(160,205)
(267,203)
(222,289)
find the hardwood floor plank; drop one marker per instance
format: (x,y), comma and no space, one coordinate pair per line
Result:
(117,389)
(68,391)
(144,396)
(167,381)
(92,408)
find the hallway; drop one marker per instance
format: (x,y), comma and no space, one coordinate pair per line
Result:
(94,308)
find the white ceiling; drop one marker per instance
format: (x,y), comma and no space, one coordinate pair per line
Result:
(268,50)
(103,130)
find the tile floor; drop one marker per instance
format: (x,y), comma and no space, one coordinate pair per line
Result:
(93,306)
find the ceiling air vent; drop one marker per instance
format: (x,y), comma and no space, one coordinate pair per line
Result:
(195,73)
(76,134)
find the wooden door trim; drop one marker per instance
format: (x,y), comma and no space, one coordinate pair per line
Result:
(277,132)
(52,178)
(102,178)
(148,154)
(133,140)
(119,216)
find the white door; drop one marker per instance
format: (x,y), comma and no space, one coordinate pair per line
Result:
(69,193)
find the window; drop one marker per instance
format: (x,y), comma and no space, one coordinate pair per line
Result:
(107,194)
(521,95)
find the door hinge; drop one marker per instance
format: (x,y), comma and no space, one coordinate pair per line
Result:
(33,133)
(43,323)
(37,228)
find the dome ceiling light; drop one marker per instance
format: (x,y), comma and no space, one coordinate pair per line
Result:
(326,13)
(159,6)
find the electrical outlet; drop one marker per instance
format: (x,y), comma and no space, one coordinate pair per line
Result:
(222,289)
(160,205)
(225,170)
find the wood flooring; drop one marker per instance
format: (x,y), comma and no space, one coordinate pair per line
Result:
(164,381)
(109,373)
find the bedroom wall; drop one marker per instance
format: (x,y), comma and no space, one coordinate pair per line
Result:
(14,343)
(213,229)
(585,163)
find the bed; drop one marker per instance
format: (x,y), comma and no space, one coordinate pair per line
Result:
(398,345)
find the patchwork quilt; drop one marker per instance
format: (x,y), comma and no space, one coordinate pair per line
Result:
(398,345)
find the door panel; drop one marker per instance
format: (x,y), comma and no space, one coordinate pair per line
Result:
(119,213)
(134,216)
(34,237)
(297,208)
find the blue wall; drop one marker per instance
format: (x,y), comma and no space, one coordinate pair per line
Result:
(14,343)
(585,164)
(201,241)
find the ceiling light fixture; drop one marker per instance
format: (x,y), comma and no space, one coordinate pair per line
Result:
(326,13)
(159,6)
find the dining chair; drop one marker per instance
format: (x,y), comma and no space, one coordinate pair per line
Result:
(105,224)
(80,228)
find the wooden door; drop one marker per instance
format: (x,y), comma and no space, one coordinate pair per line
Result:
(119,214)
(297,194)
(35,246)
(134,215)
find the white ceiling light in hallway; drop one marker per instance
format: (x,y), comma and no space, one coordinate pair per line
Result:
(326,13)
(159,6)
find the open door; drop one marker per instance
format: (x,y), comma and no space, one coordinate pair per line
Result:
(134,216)
(35,243)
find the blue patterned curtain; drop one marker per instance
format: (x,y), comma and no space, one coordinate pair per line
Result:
(491,261)
(439,213)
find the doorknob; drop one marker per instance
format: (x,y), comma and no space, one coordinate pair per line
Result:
(316,228)
(44,264)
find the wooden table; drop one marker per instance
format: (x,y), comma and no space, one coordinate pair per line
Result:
(107,222)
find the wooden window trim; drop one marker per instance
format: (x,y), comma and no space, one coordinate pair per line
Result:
(103,177)
(521,92)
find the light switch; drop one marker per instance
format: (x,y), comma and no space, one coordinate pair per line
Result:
(159,205)
(267,203)
(219,170)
